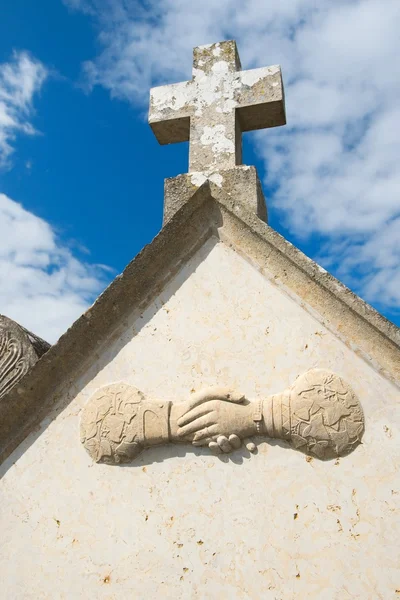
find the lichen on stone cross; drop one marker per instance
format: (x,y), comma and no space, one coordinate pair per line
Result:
(216,106)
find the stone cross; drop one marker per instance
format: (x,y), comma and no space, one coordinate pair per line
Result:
(216,106)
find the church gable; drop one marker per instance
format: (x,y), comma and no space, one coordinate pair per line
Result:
(217,231)
(177,505)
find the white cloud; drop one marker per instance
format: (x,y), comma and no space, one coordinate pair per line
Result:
(334,167)
(44,286)
(20,80)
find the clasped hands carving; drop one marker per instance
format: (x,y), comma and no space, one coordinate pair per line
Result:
(319,414)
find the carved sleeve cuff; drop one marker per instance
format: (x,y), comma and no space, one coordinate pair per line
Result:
(155,423)
(276,416)
(258,417)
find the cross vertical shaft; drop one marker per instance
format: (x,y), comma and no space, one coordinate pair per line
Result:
(214,140)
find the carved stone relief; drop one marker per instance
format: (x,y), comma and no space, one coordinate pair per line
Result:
(319,414)
(19,351)
(12,364)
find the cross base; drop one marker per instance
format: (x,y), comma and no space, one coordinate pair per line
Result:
(240,183)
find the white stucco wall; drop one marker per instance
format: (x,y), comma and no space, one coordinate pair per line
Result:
(185,524)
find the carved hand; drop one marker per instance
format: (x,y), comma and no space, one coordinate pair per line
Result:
(212,420)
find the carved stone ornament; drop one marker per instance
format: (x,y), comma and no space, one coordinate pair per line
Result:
(19,351)
(319,415)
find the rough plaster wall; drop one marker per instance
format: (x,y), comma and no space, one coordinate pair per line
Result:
(185,524)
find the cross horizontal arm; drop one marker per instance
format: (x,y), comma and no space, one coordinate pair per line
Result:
(169,113)
(260,99)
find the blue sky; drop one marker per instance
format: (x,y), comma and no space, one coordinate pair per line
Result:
(81,174)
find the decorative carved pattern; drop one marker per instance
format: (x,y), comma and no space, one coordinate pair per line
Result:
(12,363)
(117,421)
(319,414)
(19,350)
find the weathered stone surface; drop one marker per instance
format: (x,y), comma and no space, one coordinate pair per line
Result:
(241,183)
(19,351)
(215,107)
